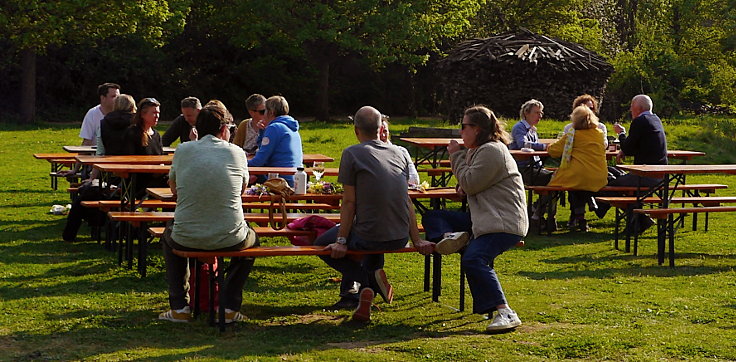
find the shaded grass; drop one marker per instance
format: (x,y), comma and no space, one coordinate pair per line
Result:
(578,297)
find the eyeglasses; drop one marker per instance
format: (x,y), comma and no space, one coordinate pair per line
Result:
(462,125)
(261,111)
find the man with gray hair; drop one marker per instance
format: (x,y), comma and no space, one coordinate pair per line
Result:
(183,126)
(376,214)
(647,142)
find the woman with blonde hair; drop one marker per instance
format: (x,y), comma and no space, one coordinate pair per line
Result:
(583,162)
(487,174)
(592,103)
(112,128)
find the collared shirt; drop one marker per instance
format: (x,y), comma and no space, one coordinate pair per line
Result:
(524,132)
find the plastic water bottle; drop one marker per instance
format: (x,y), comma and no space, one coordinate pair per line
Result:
(300,181)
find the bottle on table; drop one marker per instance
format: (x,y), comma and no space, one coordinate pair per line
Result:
(300,181)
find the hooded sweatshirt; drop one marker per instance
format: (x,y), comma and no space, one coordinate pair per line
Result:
(112,131)
(281,146)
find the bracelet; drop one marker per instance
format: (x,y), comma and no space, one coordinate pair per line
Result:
(341,240)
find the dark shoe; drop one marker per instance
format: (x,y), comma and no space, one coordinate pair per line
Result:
(384,287)
(549,225)
(645,222)
(582,225)
(602,210)
(363,312)
(345,303)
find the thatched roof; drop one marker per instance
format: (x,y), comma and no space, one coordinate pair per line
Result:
(505,70)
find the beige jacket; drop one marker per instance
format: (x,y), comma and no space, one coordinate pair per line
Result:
(496,197)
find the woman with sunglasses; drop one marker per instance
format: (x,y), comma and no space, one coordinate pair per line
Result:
(487,174)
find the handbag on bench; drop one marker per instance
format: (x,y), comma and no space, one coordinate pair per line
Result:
(279,187)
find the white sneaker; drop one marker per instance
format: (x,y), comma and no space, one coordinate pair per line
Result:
(505,319)
(452,243)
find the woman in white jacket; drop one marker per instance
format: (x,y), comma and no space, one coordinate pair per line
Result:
(487,173)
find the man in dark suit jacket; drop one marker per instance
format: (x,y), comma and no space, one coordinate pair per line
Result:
(647,142)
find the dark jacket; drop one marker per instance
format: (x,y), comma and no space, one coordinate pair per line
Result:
(646,141)
(179,128)
(112,131)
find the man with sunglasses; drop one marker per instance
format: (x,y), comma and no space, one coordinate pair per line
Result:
(246,136)
(183,126)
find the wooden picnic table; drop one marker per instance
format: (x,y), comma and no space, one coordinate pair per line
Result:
(669,174)
(92,149)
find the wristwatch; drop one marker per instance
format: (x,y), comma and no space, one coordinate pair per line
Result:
(341,240)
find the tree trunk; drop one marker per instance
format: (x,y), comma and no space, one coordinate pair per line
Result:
(28,86)
(323,91)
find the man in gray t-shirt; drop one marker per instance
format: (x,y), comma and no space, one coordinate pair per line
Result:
(208,176)
(376,214)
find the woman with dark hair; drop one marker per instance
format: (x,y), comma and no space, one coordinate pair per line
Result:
(487,174)
(141,138)
(592,104)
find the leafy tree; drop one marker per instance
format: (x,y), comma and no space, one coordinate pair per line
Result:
(382,32)
(32,26)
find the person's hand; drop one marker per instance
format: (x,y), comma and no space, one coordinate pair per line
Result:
(424,247)
(193,135)
(620,157)
(618,128)
(252,179)
(65,172)
(337,250)
(460,191)
(453,147)
(261,124)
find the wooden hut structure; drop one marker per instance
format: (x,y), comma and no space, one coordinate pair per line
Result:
(504,71)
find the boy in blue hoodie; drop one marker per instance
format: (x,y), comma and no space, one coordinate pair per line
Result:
(281,144)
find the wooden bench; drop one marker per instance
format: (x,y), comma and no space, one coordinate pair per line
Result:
(218,276)
(107,205)
(623,205)
(663,232)
(558,191)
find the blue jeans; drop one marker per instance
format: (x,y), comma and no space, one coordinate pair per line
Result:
(477,261)
(360,270)
(438,222)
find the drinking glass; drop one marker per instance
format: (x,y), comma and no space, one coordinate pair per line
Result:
(318,169)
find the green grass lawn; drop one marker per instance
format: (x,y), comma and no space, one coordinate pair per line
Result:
(578,297)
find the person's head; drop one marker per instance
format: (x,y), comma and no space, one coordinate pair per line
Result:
(124,103)
(275,106)
(532,111)
(383,133)
(480,125)
(108,92)
(146,117)
(583,117)
(256,106)
(640,103)
(190,107)
(587,100)
(212,120)
(367,122)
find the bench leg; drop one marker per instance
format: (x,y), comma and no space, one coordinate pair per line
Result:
(671,232)
(462,289)
(427,267)
(221,282)
(197,265)
(436,277)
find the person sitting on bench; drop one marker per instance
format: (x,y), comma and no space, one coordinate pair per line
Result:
(208,176)
(376,214)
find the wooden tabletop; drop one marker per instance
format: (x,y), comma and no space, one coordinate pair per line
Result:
(93,149)
(661,170)
(124,170)
(675,154)
(316,157)
(56,156)
(127,159)
(164,193)
(439,142)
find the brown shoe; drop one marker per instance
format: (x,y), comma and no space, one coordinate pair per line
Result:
(363,312)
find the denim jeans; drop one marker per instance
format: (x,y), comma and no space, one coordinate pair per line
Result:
(477,261)
(360,269)
(438,222)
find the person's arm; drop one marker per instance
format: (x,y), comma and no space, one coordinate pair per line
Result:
(347,213)
(423,247)
(630,142)
(487,169)
(268,145)
(555,149)
(173,132)
(518,133)
(86,142)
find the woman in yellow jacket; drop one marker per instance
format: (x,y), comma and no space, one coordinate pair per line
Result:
(583,163)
